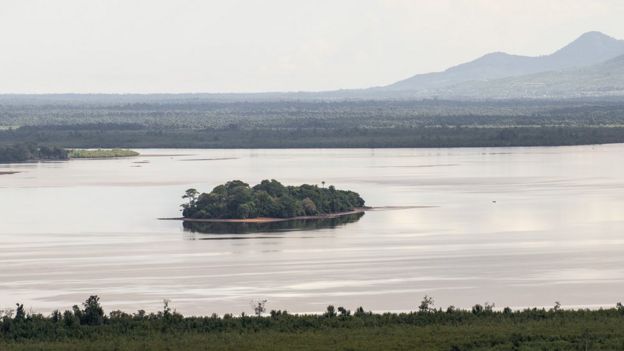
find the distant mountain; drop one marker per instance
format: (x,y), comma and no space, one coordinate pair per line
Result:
(590,66)
(603,79)
(589,49)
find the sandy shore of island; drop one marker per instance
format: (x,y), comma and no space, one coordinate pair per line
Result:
(267,219)
(273,219)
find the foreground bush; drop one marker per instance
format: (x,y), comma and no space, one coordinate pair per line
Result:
(88,327)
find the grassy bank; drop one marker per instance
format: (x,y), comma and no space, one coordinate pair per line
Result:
(102,153)
(337,329)
(534,335)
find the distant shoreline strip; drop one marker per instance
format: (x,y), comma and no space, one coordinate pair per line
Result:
(265,219)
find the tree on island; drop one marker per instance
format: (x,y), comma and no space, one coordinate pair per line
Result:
(236,199)
(190,195)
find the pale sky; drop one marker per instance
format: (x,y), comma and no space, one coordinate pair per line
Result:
(148,46)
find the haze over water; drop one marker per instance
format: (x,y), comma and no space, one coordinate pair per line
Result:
(513,226)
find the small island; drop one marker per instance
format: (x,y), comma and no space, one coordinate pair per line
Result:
(269,201)
(31,152)
(101,153)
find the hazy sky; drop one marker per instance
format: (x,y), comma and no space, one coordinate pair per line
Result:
(53,46)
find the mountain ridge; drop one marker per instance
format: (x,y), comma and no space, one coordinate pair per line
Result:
(588,49)
(589,66)
(603,79)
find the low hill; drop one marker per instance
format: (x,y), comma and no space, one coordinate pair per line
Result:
(605,79)
(589,49)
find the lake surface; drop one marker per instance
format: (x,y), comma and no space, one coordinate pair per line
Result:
(511,226)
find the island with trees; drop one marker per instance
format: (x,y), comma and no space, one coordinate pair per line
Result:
(102,153)
(269,201)
(33,152)
(25,152)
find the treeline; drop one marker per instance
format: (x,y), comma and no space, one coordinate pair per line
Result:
(197,123)
(31,152)
(352,137)
(429,328)
(294,114)
(236,199)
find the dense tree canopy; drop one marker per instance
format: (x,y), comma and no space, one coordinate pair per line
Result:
(480,328)
(236,199)
(199,122)
(30,152)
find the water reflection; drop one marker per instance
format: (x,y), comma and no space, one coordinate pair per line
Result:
(246,228)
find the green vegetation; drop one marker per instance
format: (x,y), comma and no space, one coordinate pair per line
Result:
(236,199)
(24,152)
(196,121)
(30,152)
(99,153)
(481,328)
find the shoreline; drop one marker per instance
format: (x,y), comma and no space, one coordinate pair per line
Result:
(98,158)
(267,219)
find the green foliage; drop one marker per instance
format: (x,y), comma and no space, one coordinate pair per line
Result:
(20,314)
(426,305)
(236,199)
(203,123)
(331,312)
(100,153)
(93,313)
(30,152)
(456,329)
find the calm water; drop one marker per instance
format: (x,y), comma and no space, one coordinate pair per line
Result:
(517,227)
